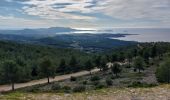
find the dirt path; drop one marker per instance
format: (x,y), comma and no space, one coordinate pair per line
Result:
(4,88)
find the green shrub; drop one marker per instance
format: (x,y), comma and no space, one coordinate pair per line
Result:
(95,78)
(109,82)
(127,66)
(56,87)
(95,83)
(79,88)
(100,86)
(84,82)
(135,70)
(163,72)
(66,89)
(72,78)
(113,77)
(35,88)
(137,84)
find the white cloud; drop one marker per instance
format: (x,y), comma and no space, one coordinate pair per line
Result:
(50,13)
(120,9)
(46,8)
(138,9)
(15,22)
(80,13)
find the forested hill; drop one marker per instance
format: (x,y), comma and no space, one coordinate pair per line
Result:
(29,52)
(28,56)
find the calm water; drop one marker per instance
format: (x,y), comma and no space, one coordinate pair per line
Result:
(145,35)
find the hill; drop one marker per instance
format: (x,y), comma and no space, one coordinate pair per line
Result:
(67,38)
(28,57)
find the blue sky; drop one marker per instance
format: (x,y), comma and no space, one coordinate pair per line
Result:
(84,13)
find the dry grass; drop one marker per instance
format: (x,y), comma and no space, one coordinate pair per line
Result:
(161,92)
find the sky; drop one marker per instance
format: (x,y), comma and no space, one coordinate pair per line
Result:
(89,14)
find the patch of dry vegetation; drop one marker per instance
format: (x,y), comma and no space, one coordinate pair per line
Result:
(161,92)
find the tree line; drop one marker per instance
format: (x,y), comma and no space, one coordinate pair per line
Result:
(23,62)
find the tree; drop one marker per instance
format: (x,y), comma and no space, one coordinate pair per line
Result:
(97,61)
(116,69)
(11,72)
(139,63)
(47,69)
(114,57)
(135,52)
(88,66)
(62,67)
(146,55)
(73,64)
(163,72)
(25,68)
(121,56)
(160,52)
(129,57)
(108,58)
(154,51)
(34,72)
(103,65)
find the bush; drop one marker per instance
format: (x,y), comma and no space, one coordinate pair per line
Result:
(56,87)
(66,89)
(80,88)
(85,82)
(95,78)
(127,66)
(163,72)
(135,70)
(109,82)
(95,83)
(137,84)
(72,78)
(100,86)
(34,89)
(113,77)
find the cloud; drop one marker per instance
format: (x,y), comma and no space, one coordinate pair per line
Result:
(90,13)
(138,9)
(59,9)
(120,9)
(14,22)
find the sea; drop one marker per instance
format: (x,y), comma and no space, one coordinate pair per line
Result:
(144,34)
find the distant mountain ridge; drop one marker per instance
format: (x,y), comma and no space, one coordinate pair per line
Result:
(54,37)
(38,33)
